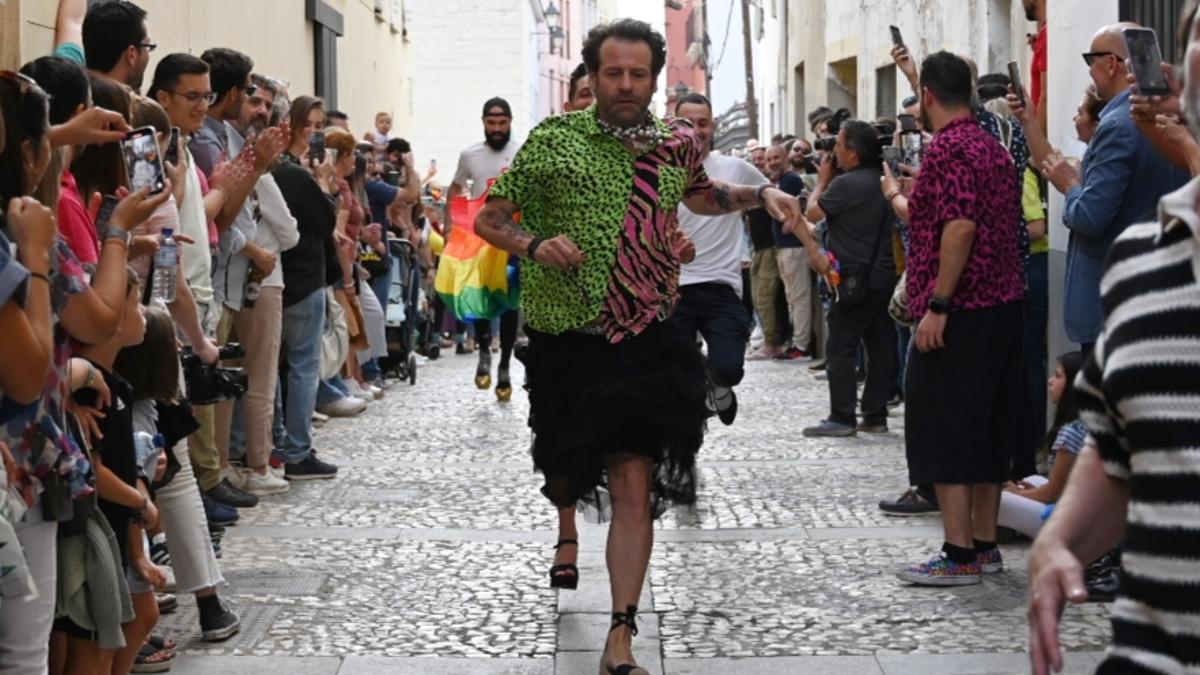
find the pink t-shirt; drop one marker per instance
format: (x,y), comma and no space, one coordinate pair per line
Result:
(966,175)
(75,224)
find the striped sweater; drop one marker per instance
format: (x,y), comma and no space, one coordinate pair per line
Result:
(1140,397)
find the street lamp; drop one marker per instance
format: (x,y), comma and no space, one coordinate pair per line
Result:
(554,24)
(553,18)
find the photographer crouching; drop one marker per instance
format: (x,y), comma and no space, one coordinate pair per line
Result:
(859,225)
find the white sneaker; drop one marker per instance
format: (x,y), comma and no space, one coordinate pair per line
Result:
(235,475)
(356,391)
(375,391)
(347,406)
(277,472)
(319,420)
(171,586)
(270,484)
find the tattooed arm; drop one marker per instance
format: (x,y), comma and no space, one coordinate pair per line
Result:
(496,226)
(722,198)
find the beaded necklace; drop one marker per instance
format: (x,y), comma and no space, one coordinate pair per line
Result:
(645,136)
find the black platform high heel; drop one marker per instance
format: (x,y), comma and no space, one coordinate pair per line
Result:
(565,581)
(626,618)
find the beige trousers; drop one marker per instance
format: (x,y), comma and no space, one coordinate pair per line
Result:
(259,330)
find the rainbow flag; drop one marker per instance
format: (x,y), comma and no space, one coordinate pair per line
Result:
(475,279)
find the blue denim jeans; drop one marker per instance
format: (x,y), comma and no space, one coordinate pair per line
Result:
(333,389)
(302,356)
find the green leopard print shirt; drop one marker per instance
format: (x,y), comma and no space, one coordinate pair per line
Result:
(570,178)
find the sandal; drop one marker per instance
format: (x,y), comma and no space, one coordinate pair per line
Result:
(626,618)
(161,642)
(566,575)
(151,660)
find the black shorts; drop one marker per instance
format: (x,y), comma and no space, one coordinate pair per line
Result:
(966,404)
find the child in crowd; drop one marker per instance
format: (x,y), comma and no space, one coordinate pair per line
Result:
(124,499)
(382,133)
(1023,505)
(152,370)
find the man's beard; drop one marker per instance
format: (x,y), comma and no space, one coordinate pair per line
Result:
(497,140)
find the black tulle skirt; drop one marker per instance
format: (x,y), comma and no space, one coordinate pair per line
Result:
(590,398)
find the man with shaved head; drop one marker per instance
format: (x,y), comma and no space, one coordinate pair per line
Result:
(1120,183)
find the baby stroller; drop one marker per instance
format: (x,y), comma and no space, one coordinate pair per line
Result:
(401,316)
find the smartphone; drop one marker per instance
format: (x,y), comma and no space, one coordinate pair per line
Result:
(143,162)
(892,156)
(1014,74)
(897,38)
(433,163)
(912,147)
(908,123)
(105,213)
(392,178)
(360,164)
(1145,56)
(171,156)
(316,147)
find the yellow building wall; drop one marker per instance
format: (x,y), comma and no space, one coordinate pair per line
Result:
(372,73)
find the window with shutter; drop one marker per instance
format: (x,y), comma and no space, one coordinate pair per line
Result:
(1162,16)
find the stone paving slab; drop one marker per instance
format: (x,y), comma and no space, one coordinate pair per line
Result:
(786,665)
(582,632)
(255,665)
(976,664)
(585,663)
(371,665)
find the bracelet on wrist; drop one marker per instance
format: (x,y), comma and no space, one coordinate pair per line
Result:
(43,277)
(760,191)
(533,246)
(891,196)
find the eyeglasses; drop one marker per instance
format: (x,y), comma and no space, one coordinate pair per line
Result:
(1090,57)
(195,97)
(148,46)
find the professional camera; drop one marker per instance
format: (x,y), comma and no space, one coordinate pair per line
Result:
(207,384)
(834,126)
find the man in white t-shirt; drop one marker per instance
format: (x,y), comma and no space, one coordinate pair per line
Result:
(711,285)
(477,166)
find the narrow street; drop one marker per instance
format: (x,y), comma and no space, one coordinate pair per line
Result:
(428,554)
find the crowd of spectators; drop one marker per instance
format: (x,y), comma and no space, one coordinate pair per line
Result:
(171,351)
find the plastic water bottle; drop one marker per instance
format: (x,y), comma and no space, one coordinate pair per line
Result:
(166,267)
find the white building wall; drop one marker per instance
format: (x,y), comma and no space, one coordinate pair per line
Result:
(842,45)
(456,65)
(1072,24)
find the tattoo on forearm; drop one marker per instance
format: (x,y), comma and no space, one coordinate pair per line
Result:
(503,225)
(730,198)
(720,195)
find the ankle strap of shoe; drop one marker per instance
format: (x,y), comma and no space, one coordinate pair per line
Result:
(565,542)
(626,618)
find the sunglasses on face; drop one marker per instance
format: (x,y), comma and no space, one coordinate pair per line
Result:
(1090,57)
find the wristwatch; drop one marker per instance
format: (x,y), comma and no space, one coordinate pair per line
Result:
(116,233)
(939,305)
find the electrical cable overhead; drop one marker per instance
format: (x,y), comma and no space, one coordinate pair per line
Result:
(725,41)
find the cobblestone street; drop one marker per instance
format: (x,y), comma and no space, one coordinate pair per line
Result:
(428,554)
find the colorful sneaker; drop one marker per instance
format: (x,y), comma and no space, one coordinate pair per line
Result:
(990,562)
(941,571)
